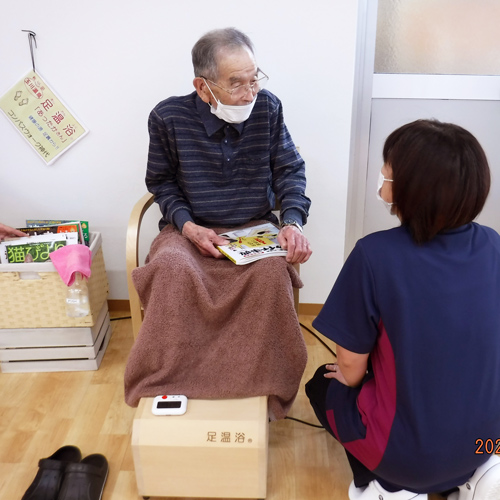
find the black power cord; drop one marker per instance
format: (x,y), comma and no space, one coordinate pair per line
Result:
(304,422)
(314,335)
(117,319)
(329,349)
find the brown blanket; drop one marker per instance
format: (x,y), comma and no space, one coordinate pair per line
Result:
(215,330)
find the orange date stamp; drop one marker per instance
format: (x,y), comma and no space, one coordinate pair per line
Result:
(488,446)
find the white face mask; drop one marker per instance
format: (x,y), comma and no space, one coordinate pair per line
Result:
(231,114)
(380,183)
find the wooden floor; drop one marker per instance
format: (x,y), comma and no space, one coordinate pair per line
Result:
(40,412)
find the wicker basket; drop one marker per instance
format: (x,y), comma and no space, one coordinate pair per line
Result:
(41,302)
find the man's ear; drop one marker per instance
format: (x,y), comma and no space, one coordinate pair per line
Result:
(201,89)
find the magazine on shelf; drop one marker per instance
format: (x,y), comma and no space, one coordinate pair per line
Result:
(84,226)
(34,248)
(73,227)
(252,243)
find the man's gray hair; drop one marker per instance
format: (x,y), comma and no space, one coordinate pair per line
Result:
(206,51)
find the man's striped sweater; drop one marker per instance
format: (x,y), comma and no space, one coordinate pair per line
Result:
(205,170)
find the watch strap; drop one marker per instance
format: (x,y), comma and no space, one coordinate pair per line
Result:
(291,222)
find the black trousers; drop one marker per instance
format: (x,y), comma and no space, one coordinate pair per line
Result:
(316,390)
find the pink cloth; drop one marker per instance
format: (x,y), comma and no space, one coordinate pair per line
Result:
(71,259)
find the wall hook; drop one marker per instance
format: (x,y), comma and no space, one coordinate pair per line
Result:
(31,39)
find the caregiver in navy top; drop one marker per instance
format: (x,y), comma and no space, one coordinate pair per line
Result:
(415,313)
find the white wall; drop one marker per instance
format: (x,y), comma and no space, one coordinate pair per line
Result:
(113,61)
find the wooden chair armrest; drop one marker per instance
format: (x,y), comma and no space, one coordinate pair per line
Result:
(132,257)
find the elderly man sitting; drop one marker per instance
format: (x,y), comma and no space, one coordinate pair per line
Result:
(218,157)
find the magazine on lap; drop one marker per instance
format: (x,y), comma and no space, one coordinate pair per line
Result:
(252,243)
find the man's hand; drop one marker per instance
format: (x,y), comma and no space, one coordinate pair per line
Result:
(204,239)
(290,238)
(7,231)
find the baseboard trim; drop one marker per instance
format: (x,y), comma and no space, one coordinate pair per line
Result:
(310,309)
(119,306)
(124,306)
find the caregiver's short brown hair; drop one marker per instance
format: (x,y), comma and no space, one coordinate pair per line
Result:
(441,177)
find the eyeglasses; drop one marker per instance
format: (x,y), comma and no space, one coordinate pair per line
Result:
(241,90)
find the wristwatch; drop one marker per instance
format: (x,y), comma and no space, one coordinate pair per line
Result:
(291,222)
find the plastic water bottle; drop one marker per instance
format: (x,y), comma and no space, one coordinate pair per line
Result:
(77,298)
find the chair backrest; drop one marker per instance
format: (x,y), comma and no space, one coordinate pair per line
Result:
(132,260)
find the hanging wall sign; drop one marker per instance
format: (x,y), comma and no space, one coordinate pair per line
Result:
(40,116)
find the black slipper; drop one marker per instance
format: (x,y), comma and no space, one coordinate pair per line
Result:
(85,480)
(50,473)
